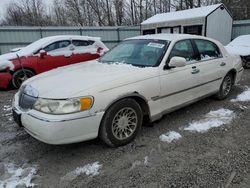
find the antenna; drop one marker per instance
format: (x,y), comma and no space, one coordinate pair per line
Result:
(21,64)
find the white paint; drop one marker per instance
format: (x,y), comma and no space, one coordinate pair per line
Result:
(18,177)
(212,119)
(243,97)
(89,170)
(108,82)
(219,26)
(170,136)
(240,46)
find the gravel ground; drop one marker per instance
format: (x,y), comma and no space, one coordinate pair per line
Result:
(217,158)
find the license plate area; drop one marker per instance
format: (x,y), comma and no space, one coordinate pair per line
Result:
(17,118)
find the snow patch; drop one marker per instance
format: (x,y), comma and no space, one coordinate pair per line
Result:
(18,177)
(89,170)
(170,136)
(146,161)
(181,15)
(212,119)
(4,64)
(7,108)
(243,97)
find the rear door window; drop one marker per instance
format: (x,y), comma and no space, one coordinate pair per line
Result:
(57,45)
(207,49)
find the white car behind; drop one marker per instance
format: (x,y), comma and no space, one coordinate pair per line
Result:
(241,46)
(143,77)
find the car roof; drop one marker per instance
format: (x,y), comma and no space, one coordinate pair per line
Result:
(74,37)
(169,37)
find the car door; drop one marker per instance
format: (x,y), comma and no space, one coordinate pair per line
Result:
(211,66)
(179,85)
(58,54)
(84,50)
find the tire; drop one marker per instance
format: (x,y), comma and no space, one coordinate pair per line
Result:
(247,65)
(121,123)
(20,76)
(226,87)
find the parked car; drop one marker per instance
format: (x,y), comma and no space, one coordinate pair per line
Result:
(141,78)
(46,54)
(16,49)
(241,46)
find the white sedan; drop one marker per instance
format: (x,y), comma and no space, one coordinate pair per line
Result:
(241,46)
(143,77)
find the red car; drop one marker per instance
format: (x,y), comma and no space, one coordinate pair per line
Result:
(46,54)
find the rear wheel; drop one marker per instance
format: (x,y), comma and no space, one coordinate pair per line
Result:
(121,123)
(20,76)
(226,87)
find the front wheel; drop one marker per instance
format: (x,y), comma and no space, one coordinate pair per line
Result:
(121,123)
(20,76)
(226,87)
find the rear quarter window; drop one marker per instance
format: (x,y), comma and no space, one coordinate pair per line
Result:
(82,42)
(207,49)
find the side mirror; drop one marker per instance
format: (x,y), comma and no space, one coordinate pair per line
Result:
(177,62)
(42,53)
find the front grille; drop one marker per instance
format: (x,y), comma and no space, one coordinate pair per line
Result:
(26,102)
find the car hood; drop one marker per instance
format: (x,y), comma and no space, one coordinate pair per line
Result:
(238,50)
(6,59)
(85,78)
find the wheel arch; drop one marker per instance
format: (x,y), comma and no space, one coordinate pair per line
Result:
(141,100)
(233,72)
(20,68)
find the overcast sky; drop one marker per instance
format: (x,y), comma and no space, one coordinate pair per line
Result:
(4,3)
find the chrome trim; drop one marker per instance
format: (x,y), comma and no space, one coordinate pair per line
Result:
(177,92)
(59,120)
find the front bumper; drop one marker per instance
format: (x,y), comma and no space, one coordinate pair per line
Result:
(5,78)
(62,129)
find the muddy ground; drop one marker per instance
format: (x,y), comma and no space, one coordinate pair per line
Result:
(217,158)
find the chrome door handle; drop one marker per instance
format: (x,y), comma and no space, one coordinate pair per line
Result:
(195,71)
(223,64)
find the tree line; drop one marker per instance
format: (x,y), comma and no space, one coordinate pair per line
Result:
(105,12)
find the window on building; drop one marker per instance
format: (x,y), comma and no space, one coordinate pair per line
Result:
(148,32)
(193,30)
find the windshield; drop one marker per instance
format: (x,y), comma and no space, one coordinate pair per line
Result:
(34,47)
(137,52)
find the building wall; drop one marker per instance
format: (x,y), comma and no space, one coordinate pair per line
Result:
(241,27)
(12,37)
(182,23)
(219,26)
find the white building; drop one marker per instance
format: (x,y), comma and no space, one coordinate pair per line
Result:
(213,21)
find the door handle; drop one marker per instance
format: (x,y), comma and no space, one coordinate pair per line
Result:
(223,64)
(195,71)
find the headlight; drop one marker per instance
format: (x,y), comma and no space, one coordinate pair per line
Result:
(63,106)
